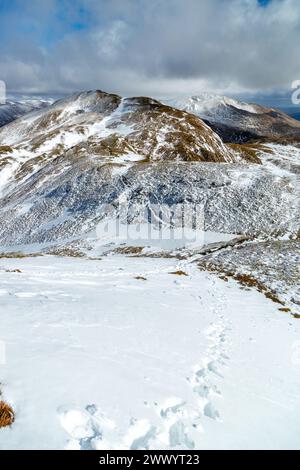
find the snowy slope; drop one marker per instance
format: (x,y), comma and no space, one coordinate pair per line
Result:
(12,109)
(62,201)
(104,351)
(59,166)
(102,127)
(141,124)
(213,107)
(96,359)
(236,121)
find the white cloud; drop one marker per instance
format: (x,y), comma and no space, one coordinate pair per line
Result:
(166,47)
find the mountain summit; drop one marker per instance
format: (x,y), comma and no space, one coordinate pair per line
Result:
(105,125)
(60,166)
(237,122)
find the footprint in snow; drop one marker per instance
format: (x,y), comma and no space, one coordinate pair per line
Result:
(177,423)
(91,429)
(81,426)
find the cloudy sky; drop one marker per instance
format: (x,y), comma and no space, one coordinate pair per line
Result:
(157,47)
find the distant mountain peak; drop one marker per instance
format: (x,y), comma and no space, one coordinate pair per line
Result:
(236,121)
(14,109)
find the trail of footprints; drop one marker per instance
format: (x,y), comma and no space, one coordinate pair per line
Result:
(178,424)
(205,376)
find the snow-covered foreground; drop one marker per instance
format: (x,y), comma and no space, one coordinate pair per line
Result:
(96,358)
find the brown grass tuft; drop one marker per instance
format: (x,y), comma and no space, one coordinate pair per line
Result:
(179,273)
(70,252)
(7,415)
(245,280)
(248,152)
(19,254)
(5,149)
(129,250)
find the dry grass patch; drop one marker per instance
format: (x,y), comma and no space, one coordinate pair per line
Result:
(19,254)
(7,415)
(179,273)
(245,280)
(5,149)
(250,282)
(70,252)
(129,250)
(248,152)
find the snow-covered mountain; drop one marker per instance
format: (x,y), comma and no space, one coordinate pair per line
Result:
(109,126)
(13,109)
(211,332)
(236,121)
(213,107)
(60,165)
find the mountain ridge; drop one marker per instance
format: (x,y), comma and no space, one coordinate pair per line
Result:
(61,166)
(100,125)
(238,122)
(13,109)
